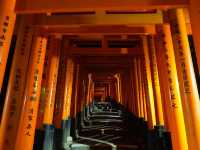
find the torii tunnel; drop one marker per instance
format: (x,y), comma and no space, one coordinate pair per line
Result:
(99,75)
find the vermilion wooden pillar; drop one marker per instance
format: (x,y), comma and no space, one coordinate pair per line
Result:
(137,88)
(164,88)
(7,23)
(179,138)
(140,92)
(187,81)
(149,81)
(68,89)
(61,88)
(162,71)
(119,92)
(54,55)
(89,88)
(133,89)
(40,116)
(67,97)
(14,96)
(155,83)
(147,97)
(27,122)
(75,91)
(53,62)
(143,90)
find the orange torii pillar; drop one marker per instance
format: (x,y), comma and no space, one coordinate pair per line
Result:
(164,88)
(83,93)
(117,88)
(116,91)
(66,118)
(137,96)
(152,120)
(75,90)
(61,83)
(40,116)
(179,139)
(187,81)
(109,89)
(62,119)
(39,133)
(89,88)
(147,98)
(145,102)
(16,84)
(53,62)
(156,84)
(193,7)
(7,23)
(143,90)
(140,91)
(120,88)
(133,90)
(92,92)
(29,110)
(123,92)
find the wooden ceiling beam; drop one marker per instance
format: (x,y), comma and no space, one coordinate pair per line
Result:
(100,30)
(49,6)
(99,19)
(104,51)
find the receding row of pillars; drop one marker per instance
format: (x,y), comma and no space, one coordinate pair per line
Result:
(165,92)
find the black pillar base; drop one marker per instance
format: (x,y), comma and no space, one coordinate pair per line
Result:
(66,132)
(159,138)
(48,137)
(39,139)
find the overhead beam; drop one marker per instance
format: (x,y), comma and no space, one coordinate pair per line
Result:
(103,51)
(102,30)
(105,60)
(44,6)
(99,19)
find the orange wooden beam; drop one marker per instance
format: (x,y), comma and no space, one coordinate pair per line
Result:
(70,19)
(99,29)
(103,51)
(44,6)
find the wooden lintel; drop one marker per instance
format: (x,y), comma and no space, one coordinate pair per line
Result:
(102,30)
(98,19)
(49,6)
